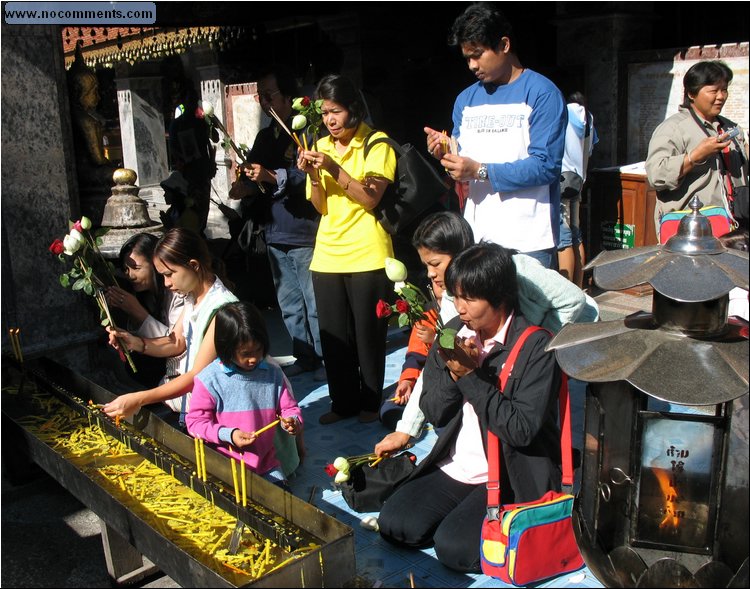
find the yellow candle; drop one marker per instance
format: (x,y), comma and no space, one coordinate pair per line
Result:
(244,480)
(197,458)
(203,460)
(234,479)
(269,426)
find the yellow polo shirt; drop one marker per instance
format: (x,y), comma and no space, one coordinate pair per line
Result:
(349,237)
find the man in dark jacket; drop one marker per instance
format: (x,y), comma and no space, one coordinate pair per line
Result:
(445,500)
(292,223)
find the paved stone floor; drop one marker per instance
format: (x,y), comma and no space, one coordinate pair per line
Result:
(49,539)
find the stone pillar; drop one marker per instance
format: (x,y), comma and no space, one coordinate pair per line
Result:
(144,148)
(212,90)
(39,198)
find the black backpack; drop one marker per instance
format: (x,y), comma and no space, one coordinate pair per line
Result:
(417,188)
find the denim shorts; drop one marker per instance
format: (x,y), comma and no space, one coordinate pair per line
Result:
(570,228)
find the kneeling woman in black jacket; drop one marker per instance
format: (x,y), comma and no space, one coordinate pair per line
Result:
(445,500)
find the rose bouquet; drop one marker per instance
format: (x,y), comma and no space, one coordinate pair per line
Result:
(341,467)
(412,303)
(89,270)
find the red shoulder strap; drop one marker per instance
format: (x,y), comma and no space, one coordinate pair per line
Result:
(566,439)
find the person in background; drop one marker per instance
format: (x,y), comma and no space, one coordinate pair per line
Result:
(152,310)
(181,211)
(510,129)
(182,258)
(444,501)
(192,152)
(580,138)
(739,306)
(293,223)
(241,392)
(348,262)
(544,297)
(688,154)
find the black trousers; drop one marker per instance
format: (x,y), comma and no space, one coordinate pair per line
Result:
(434,508)
(353,338)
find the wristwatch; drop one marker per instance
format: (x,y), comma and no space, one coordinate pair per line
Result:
(482,173)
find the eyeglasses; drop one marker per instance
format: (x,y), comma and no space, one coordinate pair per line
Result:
(266,96)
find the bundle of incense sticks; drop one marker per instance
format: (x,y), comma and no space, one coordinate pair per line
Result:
(283,126)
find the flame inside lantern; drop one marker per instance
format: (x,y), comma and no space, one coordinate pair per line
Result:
(670,497)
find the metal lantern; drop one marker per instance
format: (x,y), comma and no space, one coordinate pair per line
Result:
(664,487)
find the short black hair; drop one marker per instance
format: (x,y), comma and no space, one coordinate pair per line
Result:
(236,324)
(482,23)
(485,271)
(285,79)
(341,90)
(444,232)
(704,73)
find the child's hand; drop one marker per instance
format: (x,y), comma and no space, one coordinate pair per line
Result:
(403,392)
(243,439)
(425,333)
(290,425)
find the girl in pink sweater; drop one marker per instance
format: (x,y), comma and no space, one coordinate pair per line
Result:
(241,392)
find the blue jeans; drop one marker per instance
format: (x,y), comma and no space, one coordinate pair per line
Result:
(290,268)
(547,257)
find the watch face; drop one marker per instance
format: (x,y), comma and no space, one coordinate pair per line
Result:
(482,172)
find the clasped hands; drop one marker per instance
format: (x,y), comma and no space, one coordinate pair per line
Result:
(461,169)
(463,359)
(309,161)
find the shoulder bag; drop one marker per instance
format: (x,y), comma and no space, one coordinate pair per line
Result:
(416,188)
(526,543)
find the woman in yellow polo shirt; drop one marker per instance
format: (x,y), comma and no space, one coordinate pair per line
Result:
(350,251)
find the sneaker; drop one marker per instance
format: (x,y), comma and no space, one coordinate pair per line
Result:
(320,374)
(293,370)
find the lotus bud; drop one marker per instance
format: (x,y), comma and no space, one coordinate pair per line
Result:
(86,223)
(208,108)
(298,104)
(341,464)
(395,270)
(341,477)
(299,122)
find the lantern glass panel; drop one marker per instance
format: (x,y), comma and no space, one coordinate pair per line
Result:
(676,478)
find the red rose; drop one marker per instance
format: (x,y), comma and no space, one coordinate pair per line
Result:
(306,101)
(331,470)
(383,309)
(402,306)
(199,114)
(57,247)
(78,227)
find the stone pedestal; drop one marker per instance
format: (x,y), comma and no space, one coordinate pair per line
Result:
(144,148)
(125,214)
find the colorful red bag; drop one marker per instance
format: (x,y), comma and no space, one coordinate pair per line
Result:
(721,222)
(525,543)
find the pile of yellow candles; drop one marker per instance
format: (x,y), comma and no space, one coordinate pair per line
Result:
(180,514)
